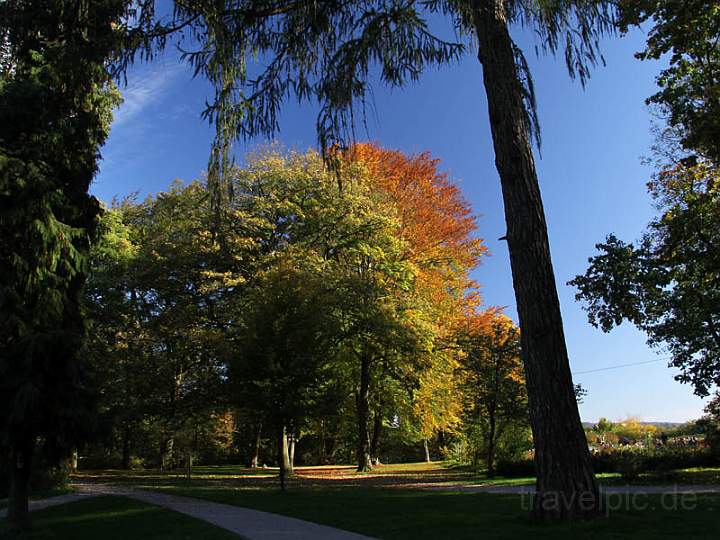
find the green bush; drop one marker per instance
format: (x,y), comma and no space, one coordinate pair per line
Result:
(520,468)
(42,478)
(629,461)
(457,452)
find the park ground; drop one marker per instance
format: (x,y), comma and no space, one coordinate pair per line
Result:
(394,501)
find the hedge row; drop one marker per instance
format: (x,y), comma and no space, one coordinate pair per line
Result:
(629,462)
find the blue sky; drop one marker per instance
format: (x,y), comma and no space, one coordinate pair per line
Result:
(591,177)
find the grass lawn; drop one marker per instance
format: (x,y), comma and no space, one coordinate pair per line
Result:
(400,502)
(405,475)
(43,494)
(707,475)
(115,518)
(404,514)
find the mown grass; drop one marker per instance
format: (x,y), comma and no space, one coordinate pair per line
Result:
(402,502)
(114,518)
(406,475)
(692,476)
(43,494)
(394,502)
(403,515)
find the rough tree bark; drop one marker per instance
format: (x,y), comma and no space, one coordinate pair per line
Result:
(364,462)
(566,486)
(21,455)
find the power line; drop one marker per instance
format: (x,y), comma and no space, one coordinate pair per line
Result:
(619,366)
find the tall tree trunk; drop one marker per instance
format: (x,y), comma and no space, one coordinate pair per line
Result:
(427,451)
(254,462)
(364,462)
(287,464)
(283,456)
(167,445)
(74,458)
(441,438)
(21,455)
(375,441)
(331,447)
(490,456)
(291,452)
(169,425)
(188,463)
(126,448)
(566,486)
(322,457)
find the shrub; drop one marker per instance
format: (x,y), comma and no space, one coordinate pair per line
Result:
(457,452)
(42,477)
(520,468)
(630,463)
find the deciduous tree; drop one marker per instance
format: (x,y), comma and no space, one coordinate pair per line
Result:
(492,378)
(668,283)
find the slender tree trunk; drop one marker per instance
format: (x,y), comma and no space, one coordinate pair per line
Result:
(427,451)
(167,445)
(256,451)
(375,441)
(490,456)
(566,486)
(291,452)
(364,463)
(287,463)
(331,448)
(283,456)
(322,457)
(18,515)
(441,438)
(126,448)
(188,464)
(167,442)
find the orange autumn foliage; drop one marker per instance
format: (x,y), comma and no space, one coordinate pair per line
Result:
(437,221)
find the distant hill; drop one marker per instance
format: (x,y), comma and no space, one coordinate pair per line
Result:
(661,425)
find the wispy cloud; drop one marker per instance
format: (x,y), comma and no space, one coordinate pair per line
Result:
(146,87)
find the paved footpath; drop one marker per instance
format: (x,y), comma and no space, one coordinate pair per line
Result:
(249,524)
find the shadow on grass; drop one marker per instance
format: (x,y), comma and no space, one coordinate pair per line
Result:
(114,518)
(404,514)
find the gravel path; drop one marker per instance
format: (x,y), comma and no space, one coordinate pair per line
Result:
(250,524)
